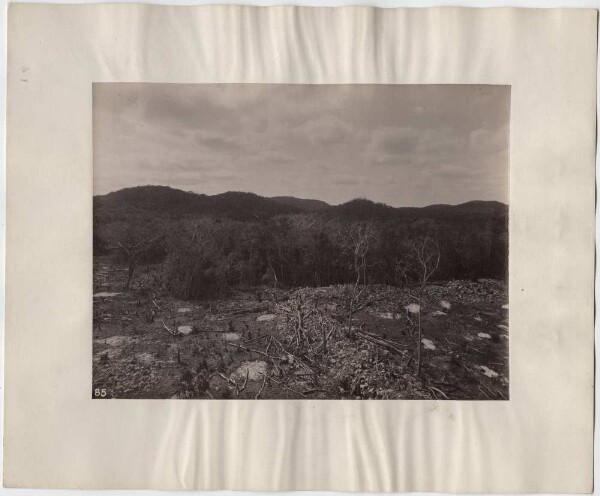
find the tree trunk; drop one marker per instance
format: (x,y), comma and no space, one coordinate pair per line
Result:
(130,273)
(419,344)
(351,312)
(364,267)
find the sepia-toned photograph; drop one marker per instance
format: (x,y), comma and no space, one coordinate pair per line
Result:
(273,241)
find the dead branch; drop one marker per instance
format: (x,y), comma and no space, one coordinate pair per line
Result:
(245,381)
(381,342)
(261,388)
(284,385)
(231,381)
(209,331)
(257,338)
(171,332)
(364,305)
(296,357)
(439,391)
(310,391)
(255,351)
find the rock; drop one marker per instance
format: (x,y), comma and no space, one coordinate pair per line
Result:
(505,307)
(184,310)
(478,319)
(117,340)
(255,371)
(438,313)
(105,295)
(412,308)
(106,355)
(488,372)
(268,317)
(428,344)
(386,315)
(145,358)
(230,336)
(503,327)
(185,330)
(445,304)
(484,335)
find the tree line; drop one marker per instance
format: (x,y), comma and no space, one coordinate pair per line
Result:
(207,256)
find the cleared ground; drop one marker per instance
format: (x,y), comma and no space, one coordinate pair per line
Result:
(299,344)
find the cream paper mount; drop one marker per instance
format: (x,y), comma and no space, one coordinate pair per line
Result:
(57,436)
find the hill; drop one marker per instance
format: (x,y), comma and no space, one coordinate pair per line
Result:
(163,200)
(302,204)
(166,201)
(249,238)
(362,209)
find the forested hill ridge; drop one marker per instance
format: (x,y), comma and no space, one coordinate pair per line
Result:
(164,200)
(243,240)
(302,204)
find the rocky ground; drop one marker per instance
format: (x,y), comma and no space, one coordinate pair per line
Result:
(300,343)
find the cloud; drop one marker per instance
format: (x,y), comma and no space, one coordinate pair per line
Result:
(400,144)
(188,109)
(218,143)
(394,142)
(325,130)
(346,180)
(483,140)
(413,147)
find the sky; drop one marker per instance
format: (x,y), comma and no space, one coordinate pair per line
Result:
(403,145)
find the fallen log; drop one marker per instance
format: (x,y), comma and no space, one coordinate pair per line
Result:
(381,342)
(256,351)
(172,333)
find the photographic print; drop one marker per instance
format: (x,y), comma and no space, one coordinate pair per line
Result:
(269,241)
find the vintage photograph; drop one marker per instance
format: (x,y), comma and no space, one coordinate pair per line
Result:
(272,241)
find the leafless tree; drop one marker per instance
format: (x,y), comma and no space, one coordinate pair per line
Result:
(273,274)
(427,254)
(361,238)
(199,242)
(134,241)
(419,265)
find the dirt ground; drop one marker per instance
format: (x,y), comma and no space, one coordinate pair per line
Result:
(299,344)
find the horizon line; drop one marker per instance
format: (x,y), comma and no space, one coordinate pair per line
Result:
(298,197)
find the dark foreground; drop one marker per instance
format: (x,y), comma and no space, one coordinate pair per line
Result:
(297,344)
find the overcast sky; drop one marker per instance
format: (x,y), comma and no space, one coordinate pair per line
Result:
(402,145)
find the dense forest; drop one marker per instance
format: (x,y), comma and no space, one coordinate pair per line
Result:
(209,245)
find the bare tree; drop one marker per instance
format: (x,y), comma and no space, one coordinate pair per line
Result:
(361,238)
(427,255)
(134,241)
(272,273)
(196,244)
(419,265)
(276,240)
